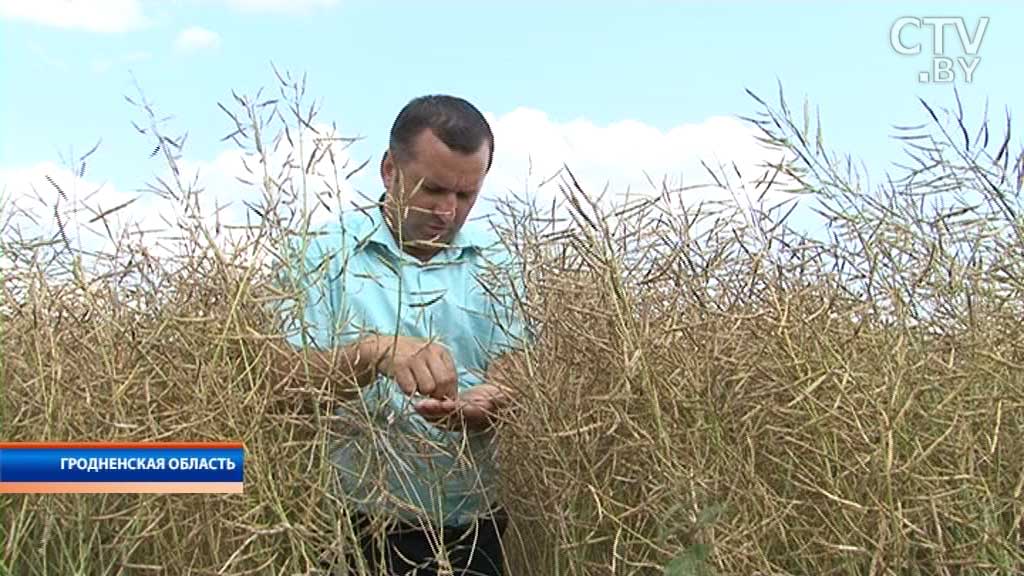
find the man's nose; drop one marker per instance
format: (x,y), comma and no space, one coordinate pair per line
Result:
(446,208)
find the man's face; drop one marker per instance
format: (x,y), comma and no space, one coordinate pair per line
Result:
(431,193)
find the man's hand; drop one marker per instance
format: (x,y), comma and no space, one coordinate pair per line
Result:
(415,365)
(474,409)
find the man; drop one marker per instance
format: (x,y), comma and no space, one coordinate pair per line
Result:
(398,304)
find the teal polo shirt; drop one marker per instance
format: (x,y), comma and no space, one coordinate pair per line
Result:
(354,281)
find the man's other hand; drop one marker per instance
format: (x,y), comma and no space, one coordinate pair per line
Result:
(415,365)
(474,408)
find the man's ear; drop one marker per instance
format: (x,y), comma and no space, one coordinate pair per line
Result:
(387,169)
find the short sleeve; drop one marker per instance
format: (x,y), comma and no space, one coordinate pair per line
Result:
(502,280)
(314,308)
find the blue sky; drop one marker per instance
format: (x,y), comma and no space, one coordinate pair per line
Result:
(585,72)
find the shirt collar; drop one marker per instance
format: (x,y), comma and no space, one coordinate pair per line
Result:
(372,229)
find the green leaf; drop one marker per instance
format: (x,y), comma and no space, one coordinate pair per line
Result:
(690,562)
(709,515)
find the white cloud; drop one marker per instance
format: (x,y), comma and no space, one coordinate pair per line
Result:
(195,38)
(50,201)
(234,177)
(139,56)
(48,59)
(229,179)
(626,156)
(279,5)
(124,15)
(103,65)
(226,183)
(531,148)
(92,15)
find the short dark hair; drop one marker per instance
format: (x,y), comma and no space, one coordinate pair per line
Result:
(453,120)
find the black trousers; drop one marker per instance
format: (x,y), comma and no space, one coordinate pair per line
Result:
(406,550)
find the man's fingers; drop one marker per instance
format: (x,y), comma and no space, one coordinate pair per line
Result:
(440,413)
(446,357)
(405,380)
(428,406)
(443,371)
(423,366)
(449,364)
(424,379)
(433,407)
(474,411)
